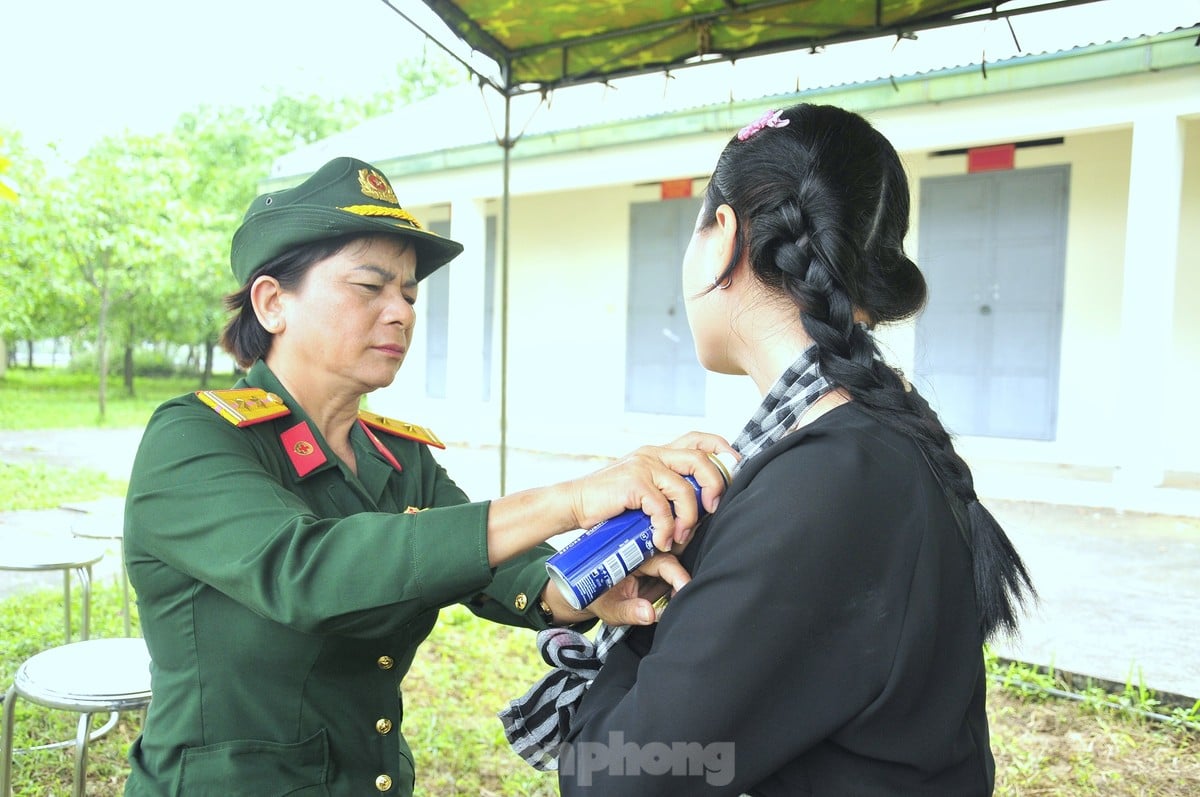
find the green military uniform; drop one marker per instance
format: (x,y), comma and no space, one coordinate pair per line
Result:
(283,597)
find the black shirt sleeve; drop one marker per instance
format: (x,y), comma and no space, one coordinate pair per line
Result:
(788,631)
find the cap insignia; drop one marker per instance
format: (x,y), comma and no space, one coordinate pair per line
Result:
(375,186)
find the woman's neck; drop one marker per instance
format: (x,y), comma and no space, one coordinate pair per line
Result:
(766,335)
(333,409)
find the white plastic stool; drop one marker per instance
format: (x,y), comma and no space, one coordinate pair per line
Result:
(35,554)
(89,677)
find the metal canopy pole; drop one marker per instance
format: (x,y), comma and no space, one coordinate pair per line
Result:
(507,144)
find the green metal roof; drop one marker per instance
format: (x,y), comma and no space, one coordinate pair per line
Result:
(1098,62)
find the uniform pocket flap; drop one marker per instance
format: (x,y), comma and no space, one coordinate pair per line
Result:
(255,767)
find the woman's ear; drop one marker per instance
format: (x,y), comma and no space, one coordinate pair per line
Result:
(266,297)
(726,231)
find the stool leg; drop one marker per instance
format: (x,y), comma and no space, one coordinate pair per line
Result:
(7,743)
(85,578)
(67,602)
(81,745)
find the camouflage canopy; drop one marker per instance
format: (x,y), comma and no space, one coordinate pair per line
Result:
(555,43)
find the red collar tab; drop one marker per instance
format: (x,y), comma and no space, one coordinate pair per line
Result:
(400,429)
(388,455)
(302,449)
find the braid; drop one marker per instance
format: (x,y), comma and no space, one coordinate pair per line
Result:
(850,358)
(828,216)
(1001,580)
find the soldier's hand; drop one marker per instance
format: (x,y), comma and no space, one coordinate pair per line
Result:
(632,600)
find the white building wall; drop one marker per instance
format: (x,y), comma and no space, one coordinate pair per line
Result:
(568,278)
(1181,382)
(567,318)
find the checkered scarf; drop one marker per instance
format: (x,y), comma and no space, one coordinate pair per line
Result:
(536,723)
(797,389)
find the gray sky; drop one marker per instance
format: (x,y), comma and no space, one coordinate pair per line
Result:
(74,70)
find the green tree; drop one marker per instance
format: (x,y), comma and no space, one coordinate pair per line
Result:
(126,234)
(14,300)
(32,303)
(6,191)
(229,150)
(133,246)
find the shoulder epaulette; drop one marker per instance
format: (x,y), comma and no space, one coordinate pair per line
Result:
(244,406)
(400,429)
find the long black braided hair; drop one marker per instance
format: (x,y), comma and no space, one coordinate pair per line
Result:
(822,203)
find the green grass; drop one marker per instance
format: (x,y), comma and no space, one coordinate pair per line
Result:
(56,399)
(469,669)
(466,672)
(39,486)
(1133,697)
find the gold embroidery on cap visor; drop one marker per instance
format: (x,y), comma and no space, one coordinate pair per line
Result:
(375,186)
(376,210)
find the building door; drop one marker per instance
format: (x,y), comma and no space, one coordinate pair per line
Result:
(993,250)
(662,374)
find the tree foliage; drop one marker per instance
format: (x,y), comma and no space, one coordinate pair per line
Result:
(6,191)
(31,302)
(131,248)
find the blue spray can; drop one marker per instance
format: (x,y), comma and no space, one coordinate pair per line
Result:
(603,555)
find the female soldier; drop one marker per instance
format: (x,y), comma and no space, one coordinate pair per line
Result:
(830,640)
(290,552)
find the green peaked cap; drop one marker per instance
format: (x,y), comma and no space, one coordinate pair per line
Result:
(345,196)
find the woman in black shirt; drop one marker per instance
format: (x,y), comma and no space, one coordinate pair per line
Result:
(830,640)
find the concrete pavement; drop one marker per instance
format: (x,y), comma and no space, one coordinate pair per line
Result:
(1120,594)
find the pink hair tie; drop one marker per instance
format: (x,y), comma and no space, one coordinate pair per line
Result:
(768,119)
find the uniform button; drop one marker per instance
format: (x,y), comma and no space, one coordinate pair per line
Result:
(383,783)
(383,725)
(386,662)
(521,602)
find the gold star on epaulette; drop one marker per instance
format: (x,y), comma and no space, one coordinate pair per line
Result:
(401,429)
(244,406)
